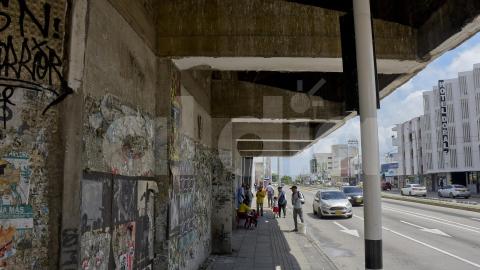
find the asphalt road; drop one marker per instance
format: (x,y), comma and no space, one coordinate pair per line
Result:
(415,236)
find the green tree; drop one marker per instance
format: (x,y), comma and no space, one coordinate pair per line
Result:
(286,180)
(274,177)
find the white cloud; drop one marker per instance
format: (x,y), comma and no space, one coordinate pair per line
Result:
(464,61)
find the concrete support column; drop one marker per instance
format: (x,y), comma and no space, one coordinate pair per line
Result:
(369,133)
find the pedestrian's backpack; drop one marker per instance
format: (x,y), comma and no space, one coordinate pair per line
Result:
(281,199)
(301,197)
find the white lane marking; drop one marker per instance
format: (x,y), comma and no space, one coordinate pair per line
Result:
(434,231)
(453,224)
(428,245)
(442,219)
(346,230)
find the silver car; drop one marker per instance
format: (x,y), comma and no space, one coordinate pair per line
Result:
(332,203)
(454,191)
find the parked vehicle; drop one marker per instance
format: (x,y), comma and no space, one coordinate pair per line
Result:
(414,190)
(454,191)
(386,185)
(354,194)
(332,203)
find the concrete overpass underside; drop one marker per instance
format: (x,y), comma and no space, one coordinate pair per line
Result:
(262,49)
(125,123)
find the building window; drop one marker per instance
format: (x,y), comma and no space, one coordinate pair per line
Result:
(468,156)
(453,158)
(449,92)
(440,159)
(476,78)
(426,103)
(451,136)
(450,114)
(462,81)
(477,103)
(478,129)
(466,132)
(464,107)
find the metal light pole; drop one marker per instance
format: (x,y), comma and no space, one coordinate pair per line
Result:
(278,171)
(369,133)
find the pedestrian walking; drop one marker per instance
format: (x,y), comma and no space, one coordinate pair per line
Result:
(282,202)
(261,193)
(248,195)
(240,195)
(270,194)
(297,201)
(276,209)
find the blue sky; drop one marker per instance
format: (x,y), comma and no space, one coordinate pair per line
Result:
(403,104)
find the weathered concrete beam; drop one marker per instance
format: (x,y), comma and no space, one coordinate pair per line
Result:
(451,24)
(268,28)
(235,99)
(272,145)
(268,153)
(303,131)
(141,16)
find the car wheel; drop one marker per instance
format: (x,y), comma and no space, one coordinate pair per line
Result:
(314,212)
(424,195)
(320,215)
(451,195)
(410,193)
(439,194)
(401,193)
(350,216)
(467,197)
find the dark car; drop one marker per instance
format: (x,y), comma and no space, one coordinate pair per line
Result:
(386,185)
(354,194)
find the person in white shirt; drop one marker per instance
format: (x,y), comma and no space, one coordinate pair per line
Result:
(297,201)
(270,194)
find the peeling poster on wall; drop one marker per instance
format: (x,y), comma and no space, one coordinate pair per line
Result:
(95,250)
(123,243)
(16,215)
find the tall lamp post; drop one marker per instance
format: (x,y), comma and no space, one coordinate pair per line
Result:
(369,132)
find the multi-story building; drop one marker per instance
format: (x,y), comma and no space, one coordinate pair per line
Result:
(324,165)
(444,144)
(330,165)
(410,152)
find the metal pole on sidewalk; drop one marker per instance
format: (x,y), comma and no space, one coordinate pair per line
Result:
(369,133)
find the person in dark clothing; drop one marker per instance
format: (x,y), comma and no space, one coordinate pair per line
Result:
(282,202)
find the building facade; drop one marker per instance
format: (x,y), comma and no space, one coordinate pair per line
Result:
(324,165)
(410,152)
(340,165)
(443,145)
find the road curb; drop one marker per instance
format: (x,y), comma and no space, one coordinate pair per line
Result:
(473,208)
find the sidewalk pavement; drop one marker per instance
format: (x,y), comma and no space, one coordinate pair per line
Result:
(271,245)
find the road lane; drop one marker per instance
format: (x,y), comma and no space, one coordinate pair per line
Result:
(405,246)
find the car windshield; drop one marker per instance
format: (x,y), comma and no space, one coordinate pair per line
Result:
(333,195)
(352,190)
(458,186)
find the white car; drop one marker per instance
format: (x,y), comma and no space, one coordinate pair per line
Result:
(414,190)
(332,203)
(453,191)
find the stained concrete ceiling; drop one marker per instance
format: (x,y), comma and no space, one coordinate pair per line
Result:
(259,49)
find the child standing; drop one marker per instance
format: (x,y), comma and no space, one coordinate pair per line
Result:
(276,210)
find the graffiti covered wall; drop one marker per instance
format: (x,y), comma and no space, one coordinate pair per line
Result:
(197,175)
(118,188)
(31,85)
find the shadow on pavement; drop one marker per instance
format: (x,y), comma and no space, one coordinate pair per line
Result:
(272,245)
